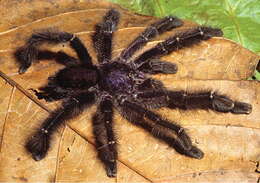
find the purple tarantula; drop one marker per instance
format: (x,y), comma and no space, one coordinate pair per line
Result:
(121,83)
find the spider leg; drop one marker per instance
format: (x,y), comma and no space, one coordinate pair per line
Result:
(39,143)
(206,100)
(151,99)
(159,27)
(104,136)
(170,133)
(102,38)
(178,41)
(150,94)
(60,57)
(29,52)
(156,66)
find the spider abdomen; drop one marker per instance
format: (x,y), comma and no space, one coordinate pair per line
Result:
(77,77)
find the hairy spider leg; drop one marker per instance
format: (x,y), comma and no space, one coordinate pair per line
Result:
(206,100)
(178,41)
(157,28)
(39,143)
(104,136)
(151,99)
(150,94)
(197,100)
(170,133)
(102,38)
(29,53)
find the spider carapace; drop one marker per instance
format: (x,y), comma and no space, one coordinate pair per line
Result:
(120,83)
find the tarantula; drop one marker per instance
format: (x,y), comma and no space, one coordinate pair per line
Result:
(121,83)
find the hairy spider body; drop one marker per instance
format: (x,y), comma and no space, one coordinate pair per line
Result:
(121,83)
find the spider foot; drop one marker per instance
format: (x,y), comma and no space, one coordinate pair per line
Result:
(23,69)
(224,104)
(111,169)
(38,146)
(186,146)
(22,57)
(195,152)
(242,108)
